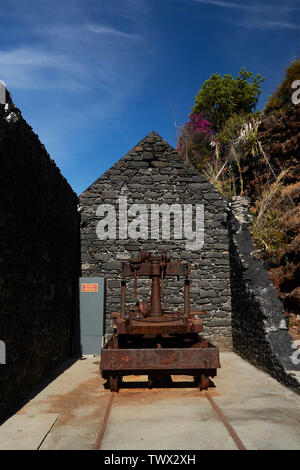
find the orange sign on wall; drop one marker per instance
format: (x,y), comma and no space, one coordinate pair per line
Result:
(89,287)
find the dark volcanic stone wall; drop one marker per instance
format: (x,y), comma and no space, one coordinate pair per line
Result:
(153,172)
(259,329)
(39,241)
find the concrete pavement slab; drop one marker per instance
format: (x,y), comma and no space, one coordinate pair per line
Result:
(68,413)
(26,432)
(264,413)
(164,420)
(79,398)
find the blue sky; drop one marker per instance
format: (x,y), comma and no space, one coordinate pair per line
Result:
(93,77)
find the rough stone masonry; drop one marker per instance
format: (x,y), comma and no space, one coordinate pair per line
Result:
(259,327)
(39,262)
(153,173)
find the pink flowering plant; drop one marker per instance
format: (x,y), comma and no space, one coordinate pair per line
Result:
(198,124)
(195,140)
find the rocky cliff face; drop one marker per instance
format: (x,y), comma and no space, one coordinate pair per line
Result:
(280,138)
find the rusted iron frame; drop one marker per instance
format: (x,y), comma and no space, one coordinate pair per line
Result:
(160,359)
(190,372)
(155,302)
(187,293)
(140,327)
(172,268)
(123,297)
(201,362)
(157,268)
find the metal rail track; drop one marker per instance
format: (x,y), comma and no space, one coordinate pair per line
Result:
(216,408)
(100,436)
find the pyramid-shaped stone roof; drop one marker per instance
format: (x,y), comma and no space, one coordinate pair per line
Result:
(148,167)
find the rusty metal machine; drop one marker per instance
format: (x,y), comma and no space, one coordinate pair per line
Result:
(155,341)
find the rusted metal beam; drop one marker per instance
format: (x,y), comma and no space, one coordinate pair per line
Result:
(158,359)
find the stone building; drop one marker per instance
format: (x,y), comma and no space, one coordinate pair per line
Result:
(153,173)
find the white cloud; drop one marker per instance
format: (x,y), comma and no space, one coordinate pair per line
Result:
(265,25)
(74,45)
(279,24)
(73,57)
(78,70)
(218,3)
(36,69)
(31,57)
(107,30)
(259,16)
(259,8)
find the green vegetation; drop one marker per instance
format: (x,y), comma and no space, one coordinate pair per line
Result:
(270,236)
(268,231)
(231,129)
(222,138)
(248,140)
(222,97)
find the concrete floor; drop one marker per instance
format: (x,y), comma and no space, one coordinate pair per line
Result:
(68,413)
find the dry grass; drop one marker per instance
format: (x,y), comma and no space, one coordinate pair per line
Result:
(269,230)
(291,219)
(271,197)
(292,191)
